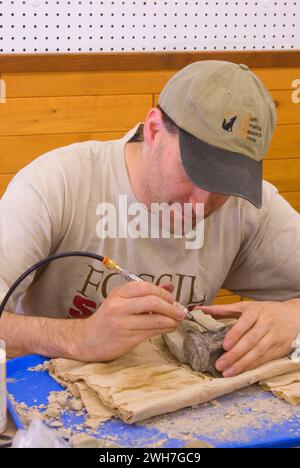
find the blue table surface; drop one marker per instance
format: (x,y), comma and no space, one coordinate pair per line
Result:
(250,417)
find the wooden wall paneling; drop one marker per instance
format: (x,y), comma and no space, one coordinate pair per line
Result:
(278,77)
(124,61)
(78,108)
(35,116)
(287,111)
(84,83)
(224,292)
(126,82)
(226,299)
(286,141)
(283,173)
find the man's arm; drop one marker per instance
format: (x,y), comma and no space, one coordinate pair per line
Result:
(38,335)
(30,227)
(264,332)
(121,323)
(267,269)
(28,234)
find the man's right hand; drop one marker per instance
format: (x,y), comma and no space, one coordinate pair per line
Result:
(130,314)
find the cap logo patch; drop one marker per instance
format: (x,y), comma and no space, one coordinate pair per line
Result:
(228,125)
(246,126)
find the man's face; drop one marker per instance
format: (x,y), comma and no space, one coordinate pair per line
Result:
(166,179)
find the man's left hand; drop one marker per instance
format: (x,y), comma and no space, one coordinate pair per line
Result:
(264,332)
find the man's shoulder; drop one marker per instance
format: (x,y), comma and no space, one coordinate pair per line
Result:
(63,170)
(79,159)
(85,159)
(70,154)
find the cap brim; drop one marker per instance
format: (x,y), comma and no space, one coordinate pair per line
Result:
(219,170)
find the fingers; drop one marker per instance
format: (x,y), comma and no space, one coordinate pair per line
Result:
(144,288)
(151,322)
(226,311)
(248,342)
(260,354)
(245,322)
(167,286)
(154,304)
(144,297)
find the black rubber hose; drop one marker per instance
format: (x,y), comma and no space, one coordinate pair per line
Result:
(44,262)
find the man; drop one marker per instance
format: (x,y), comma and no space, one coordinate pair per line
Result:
(203,144)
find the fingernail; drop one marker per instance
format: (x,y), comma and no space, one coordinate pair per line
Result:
(228,344)
(180,311)
(229,372)
(221,365)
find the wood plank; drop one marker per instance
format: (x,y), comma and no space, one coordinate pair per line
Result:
(18,151)
(27,116)
(126,82)
(287,111)
(285,143)
(85,84)
(12,63)
(293,198)
(224,292)
(226,299)
(278,78)
(284,174)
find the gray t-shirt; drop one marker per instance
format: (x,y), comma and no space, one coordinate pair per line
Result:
(52,205)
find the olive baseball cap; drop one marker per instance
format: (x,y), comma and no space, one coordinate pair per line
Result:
(226,119)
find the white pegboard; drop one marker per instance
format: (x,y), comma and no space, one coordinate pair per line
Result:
(62,26)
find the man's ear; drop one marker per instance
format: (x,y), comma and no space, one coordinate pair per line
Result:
(153,126)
